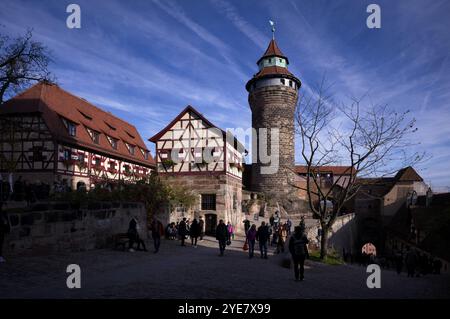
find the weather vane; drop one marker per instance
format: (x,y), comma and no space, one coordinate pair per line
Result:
(272,24)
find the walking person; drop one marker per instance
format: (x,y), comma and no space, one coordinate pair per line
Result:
(262,235)
(271,220)
(411,261)
(282,236)
(157,231)
(246,225)
(251,238)
(399,262)
(222,236)
(133,236)
(201,225)
(230,231)
(194,232)
(4,229)
(182,231)
(299,251)
(288,227)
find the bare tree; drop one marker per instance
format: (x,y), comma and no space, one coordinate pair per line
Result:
(22,62)
(371,140)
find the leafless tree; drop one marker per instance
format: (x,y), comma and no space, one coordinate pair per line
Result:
(371,140)
(22,62)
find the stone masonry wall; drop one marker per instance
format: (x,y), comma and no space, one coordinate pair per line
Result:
(228,191)
(274,107)
(60,227)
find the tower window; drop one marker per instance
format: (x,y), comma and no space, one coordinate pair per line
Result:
(282,81)
(290,83)
(281,60)
(270,60)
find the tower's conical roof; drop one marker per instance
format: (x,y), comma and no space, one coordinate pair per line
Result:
(273,50)
(270,71)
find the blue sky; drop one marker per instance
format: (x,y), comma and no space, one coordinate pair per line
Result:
(146,60)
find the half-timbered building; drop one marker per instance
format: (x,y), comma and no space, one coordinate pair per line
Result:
(194,153)
(51,136)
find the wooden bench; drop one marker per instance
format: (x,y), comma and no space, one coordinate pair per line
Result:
(121,240)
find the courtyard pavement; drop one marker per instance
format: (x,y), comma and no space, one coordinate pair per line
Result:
(188,272)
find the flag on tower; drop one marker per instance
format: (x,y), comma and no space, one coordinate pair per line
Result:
(272,24)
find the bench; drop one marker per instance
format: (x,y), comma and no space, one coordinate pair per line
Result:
(121,240)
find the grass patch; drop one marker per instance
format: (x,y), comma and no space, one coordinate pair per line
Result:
(332,258)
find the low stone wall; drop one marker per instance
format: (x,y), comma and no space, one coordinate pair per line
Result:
(56,227)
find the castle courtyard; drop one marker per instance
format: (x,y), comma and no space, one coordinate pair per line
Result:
(188,272)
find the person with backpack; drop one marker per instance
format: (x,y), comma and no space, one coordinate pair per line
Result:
(299,251)
(262,235)
(251,238)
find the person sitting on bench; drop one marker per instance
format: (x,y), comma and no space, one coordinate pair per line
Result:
(133,235)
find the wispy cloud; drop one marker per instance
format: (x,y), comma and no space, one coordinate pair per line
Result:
(240,23)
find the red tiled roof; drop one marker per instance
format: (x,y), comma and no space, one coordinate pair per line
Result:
(273,71)
(335,170)
(273,50)
(54,103)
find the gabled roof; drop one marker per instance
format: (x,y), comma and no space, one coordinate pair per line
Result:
(408,174)
(56,104)
(380,186)
(273,50)
(187,109)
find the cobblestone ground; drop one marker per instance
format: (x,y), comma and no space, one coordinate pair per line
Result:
(187,272)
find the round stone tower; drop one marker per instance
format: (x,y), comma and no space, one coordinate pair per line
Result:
(273,94)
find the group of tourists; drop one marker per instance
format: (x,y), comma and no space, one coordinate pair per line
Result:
(186,229)
(262,235)
(408,260)
(416,263)
(297,243)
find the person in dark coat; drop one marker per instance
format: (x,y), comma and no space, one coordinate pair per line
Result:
(201,225)
(271,220)
(133,236)
(299,251)
(251,238)
(262,236)
(4,229)
(399,262)
(411,262)
(182,231)
(157,231)
(246,225)
(194,232)
(222,236)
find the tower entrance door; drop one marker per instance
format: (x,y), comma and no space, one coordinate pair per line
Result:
(210,224)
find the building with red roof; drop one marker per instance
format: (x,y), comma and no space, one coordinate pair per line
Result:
(50,135)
